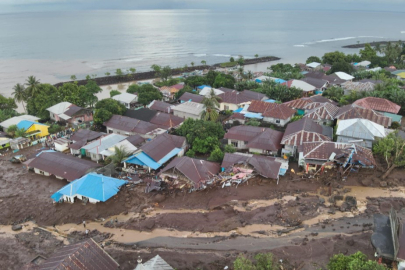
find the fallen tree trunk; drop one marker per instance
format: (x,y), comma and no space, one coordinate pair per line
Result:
(389,171)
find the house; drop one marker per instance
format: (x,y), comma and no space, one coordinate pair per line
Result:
(191,97)
(17,119)
(277,114)
(206,91)
(364,64)
(62,166)
(302,131)
(268,167)
(93,150)
(301,104)
(314,155)
(236,117)
(4,142)
(61,144)
(19,143)
(343,76)
(352,112)
(167,121)
(190,173)
(66,112)
(323,113)
(359,131)
(232,100)
(378,104)
(255,139)
(80,138)
(254,95)
(319,84)
(92,188)
(332,80)
(33,130)
(189,110)
(156,263)
(126,99)
(306,88)
(128,126)
(123,145)
(350,86)
(144,114)
(160,106)
(83,255)
(154,153)
(313,66)
(169,91)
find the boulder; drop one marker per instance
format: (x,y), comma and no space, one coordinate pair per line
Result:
(17,227)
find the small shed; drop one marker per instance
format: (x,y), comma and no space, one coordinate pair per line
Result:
(62,144)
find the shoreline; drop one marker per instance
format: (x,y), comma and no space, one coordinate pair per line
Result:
(374,43)
(148,75)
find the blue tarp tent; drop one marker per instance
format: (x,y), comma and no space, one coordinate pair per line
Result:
(93,186)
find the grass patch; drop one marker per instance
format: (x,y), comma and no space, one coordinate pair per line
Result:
(228,64)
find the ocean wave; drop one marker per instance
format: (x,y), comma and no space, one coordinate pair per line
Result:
(334,39)
(369,37)
(402,32)
(299,45)
(222,55)
(132,59)
(200,54)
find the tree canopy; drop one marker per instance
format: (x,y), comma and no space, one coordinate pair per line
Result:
(263,261)
(162,72)
(341,66)
(279,92)
(368,52)
(106,108)
(356,261)
(313,59)
(146,93)
(333,57)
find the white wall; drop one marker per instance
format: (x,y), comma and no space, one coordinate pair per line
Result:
(61,147)
(186,115)
(240,144)
(38,171)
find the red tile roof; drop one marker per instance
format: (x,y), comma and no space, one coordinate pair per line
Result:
(352,111)
(274,110)
(378,104)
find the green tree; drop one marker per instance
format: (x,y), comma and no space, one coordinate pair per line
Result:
(341,66)
(217,155)
(11,130)
(120,154)
(6,114)
(101,116)
(192,64)
(368,52)
(392,148)
(20,132)
(71,92)
(146,93)
(231,59)
(190,153)
(313,59)
(46,96)
(229,149)
(253,122)
(263,261)
(20,95)
(119,73)
(7,103)
(88,77)
(210,77)
(32,85)
(256,55)
(224,80)
(241,60)
(132,70)
(89,94)
(280,92)
(211,103)
(162,72)
(114,93)
(356,261)
(333,57)
(284,68)
(194,81)
(106,108)
(185,89)
(203,62)
(192,129)
(392,52)
(334,93)
(205,145)
(107,74)
(73,78)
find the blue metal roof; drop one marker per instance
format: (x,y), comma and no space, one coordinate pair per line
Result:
(202,86)
(25,124)
(143,159)
(258,81)
(270,100)
(254,115)
(92,185)
(238,110)
(171,154)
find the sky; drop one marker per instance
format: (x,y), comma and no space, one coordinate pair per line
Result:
(50,5)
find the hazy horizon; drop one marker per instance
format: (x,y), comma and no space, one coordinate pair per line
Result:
(15,6)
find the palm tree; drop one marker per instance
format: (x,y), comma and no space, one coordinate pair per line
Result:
(32,85)
(249,75)
(192,64)
(241,72)
(203,62)
(120,155)
(20,95)
(211,103)
(20,132)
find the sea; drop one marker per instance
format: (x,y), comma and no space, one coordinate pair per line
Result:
(55,45)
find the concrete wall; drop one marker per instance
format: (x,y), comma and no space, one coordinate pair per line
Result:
(231,106)
(38,171)
(61,147)
(263,152)
(239,144)
(282,122)
(364,143)
(186,115)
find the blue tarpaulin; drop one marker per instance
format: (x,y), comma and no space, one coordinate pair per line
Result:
(238,110)
(203,86)
(270,100)
(254,115)
(93,186)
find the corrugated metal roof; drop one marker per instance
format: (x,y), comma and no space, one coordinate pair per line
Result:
(144,114)
(92,185)
(351,112)
(165,120)
(189,107)
(136,140)
(84,255)
(59,108)
(268,140)
(86,134)
(96,147)
(197,171)
(378,104)
(129,124)
(304,86)
(318,83)
(190,96)
(325,111)
(344,76)
(124,144)
(125,97)
(234,97)
(360,129)
(161,145)
(160,106)
(358,86)
(62,165)
(143,159)
(303,130)
(156,263)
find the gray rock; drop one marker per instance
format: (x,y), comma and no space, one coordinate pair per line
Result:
(383,184)
(17,227)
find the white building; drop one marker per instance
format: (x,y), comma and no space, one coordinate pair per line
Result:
(126,99)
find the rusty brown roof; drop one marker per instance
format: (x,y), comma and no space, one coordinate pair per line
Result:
(234,97)
(325,111)
(197,171)
(86,135)
(161,145)
(298,103)
(190,96)
(62,165)
(85,255)
(237,116)
(265,166)
(303,130)
(323,150)
(136,140)
(260,106)
(129,124)
(274,110)
(268,140)
(165,120)
(160,106)
(253,95)
(378,104)
(351,112)
(243,133)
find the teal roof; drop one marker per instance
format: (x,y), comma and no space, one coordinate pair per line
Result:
(394,117)
(143,159)
(26,124)
(92,185)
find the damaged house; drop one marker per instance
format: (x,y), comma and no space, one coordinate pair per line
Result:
(255,139)
(128,126)
(277,114)
(190,173)
(80,138)
(314,155)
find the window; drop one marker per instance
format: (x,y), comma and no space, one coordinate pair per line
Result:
(278,121)
(226,107)
(110,131)
(235,144)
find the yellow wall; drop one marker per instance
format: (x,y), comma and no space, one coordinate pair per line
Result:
(42,128)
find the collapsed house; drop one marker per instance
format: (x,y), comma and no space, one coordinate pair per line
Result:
(243,166)
(388,238)
(320,155)
(190,173)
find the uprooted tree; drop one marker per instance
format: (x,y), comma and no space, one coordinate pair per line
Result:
(392,148)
